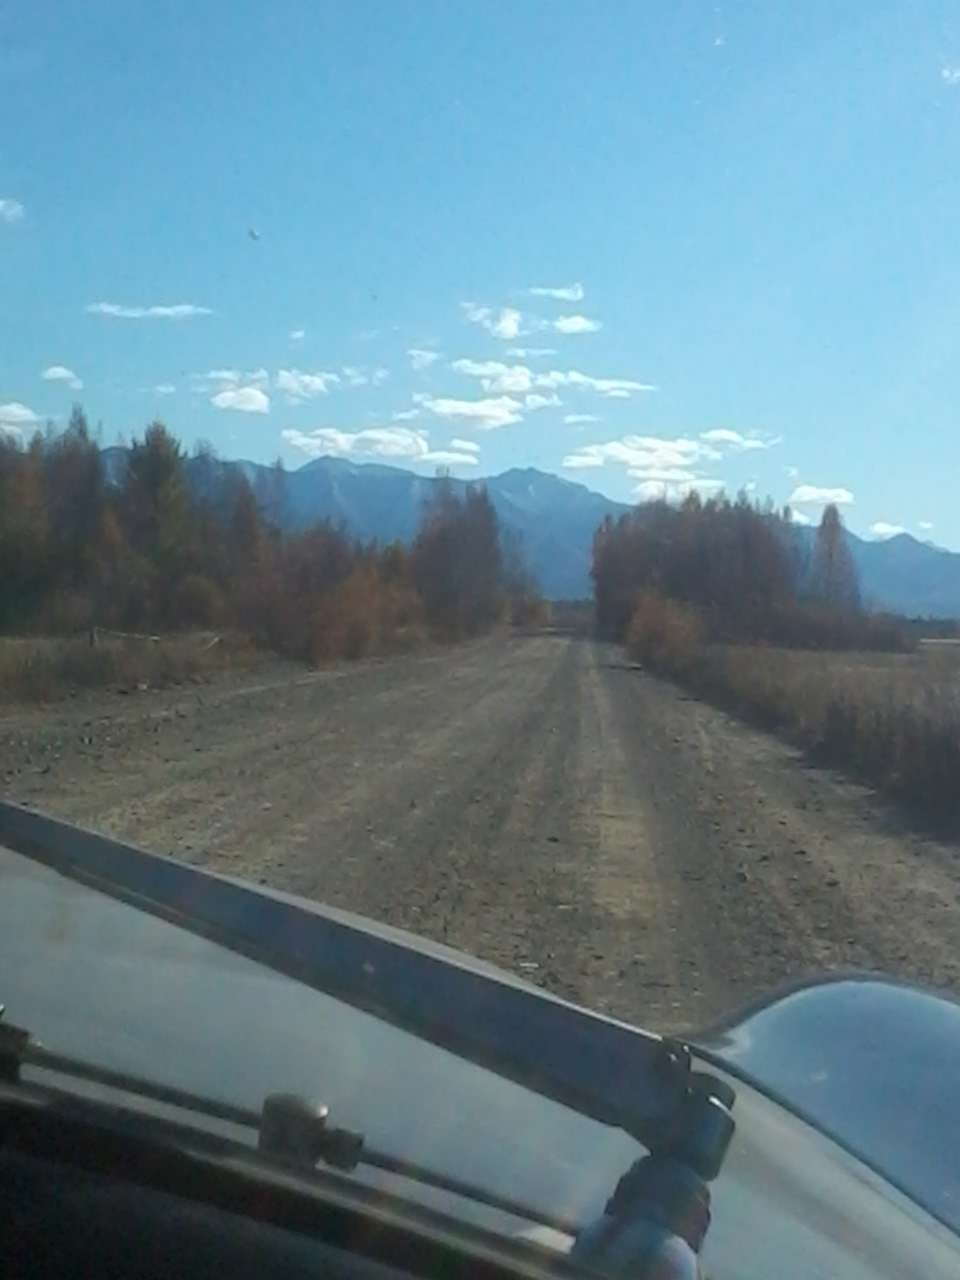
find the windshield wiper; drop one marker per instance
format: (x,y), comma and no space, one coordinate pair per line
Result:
(291,1131)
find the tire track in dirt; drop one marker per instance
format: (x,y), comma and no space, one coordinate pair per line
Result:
(535,801)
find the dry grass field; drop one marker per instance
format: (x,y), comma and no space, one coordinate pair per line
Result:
(891,719)
(43,669)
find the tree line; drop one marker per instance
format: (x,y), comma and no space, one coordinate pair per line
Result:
(160,541)
(731,571)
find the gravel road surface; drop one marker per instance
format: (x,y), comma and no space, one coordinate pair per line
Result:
(533,800)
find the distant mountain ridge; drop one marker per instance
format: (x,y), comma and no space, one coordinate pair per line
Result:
(556,519)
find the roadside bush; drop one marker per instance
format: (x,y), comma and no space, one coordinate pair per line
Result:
(664,634)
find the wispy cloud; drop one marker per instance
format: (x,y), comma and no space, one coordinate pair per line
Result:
(486,415)
(228,379)
(737,441)
(60,373)
(297,335)
(674,491)
(537,400)
(353,376)
(882,529)
(614,388)
(165,389)
(495,376)
(530,353)
(421,358)
(15,417)
(505,324)
(572,419)
(298,386)
(377,442)
(950,75)
(926,526)
(464,446)
(405,415)
(11,211)
(242,399)
(563,293)
(575,324)
(813,495)
(178,311)
(650,460)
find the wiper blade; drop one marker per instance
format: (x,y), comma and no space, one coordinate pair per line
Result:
(290,1130)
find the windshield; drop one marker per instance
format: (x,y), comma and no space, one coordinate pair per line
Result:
(488,468)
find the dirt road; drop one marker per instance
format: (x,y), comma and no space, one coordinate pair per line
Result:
(535,801)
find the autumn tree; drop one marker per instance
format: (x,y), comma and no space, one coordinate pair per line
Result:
(835,582)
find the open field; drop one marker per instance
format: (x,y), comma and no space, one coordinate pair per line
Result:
(892,720)
(534,800)
(46,669)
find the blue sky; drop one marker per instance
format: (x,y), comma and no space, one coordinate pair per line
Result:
(642,246)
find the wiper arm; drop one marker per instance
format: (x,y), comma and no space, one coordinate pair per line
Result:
(290,1130)
(615,1074)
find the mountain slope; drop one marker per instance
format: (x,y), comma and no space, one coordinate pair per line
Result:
(556,520)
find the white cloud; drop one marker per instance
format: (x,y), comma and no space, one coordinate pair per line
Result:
(356,377)
(926,526)
(668,491)
(297,335)
(539,401)
(505,325)
(496,377)
(298,386)
(736,440)
(799,517)
(530,353)
(421,358)
(377,442)
(950,75)
(11,211)
(792,472)
(612,388)
(178,311)
(243,399)
(165,389)
(229,379)
(884,530)
(645,457)
(582,461)
(485,415)
(406,415)
(14,417)
(817,496)
(564,293)
(575,324)
(60,373)
(464,446)
(572,418)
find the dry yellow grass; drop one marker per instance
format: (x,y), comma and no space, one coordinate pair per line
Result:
(891,719)
(42,669)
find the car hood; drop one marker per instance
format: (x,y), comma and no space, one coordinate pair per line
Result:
(874,1063)
(97,965)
